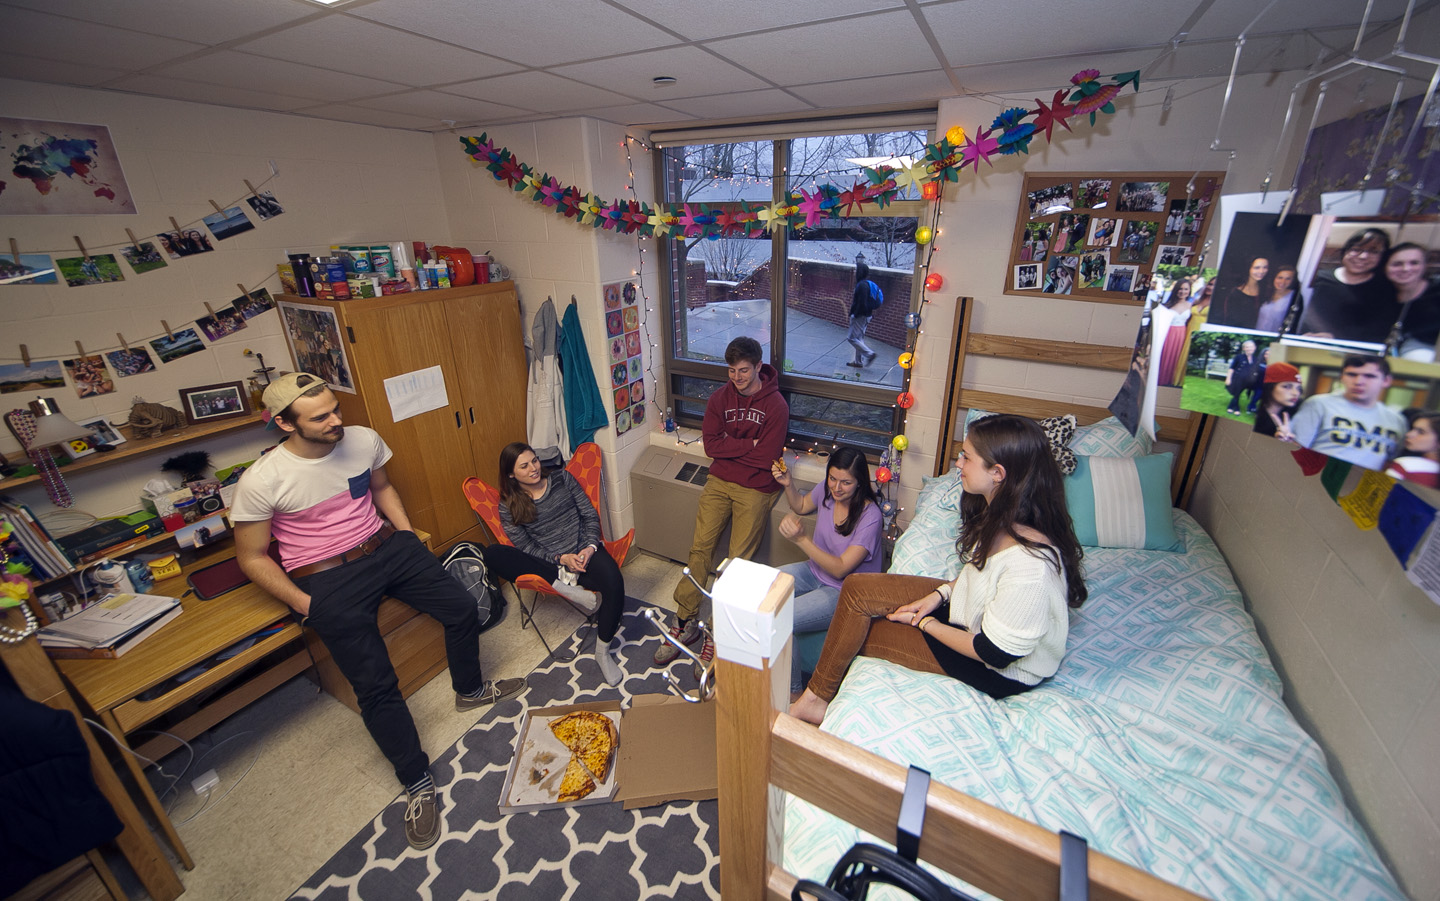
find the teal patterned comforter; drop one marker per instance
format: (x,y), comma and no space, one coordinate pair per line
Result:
(1163,740)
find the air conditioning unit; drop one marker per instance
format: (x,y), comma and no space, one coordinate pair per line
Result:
(665,485)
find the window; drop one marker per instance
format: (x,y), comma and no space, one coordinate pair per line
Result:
(792,290)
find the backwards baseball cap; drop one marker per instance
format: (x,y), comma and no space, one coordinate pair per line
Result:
(1281,372)
(282,392)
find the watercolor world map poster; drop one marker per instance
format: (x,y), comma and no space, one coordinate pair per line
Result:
(60,168)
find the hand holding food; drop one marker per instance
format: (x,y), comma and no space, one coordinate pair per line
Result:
(780,472)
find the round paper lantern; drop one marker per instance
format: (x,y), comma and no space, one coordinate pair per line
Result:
(900,442)
(956,135)
(883,474)
(934,281)
(923,234)
(912,320)
(930,190)
(905,400)
(906,360)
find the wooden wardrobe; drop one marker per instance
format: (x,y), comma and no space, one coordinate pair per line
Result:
(474,335)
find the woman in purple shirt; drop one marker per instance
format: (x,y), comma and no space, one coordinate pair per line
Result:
(846,539)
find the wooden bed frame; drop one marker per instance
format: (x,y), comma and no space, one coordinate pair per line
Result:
(765,752)
(1191,431)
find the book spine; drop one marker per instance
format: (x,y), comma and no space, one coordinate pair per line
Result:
(56,561)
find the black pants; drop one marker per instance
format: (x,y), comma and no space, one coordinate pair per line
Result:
(344,605)
(602,574)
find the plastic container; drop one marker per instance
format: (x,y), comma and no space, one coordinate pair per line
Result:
(381,263)
(189,510)
(140,578)
(111,576)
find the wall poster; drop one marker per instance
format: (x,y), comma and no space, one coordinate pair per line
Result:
(313,333)
(60,169)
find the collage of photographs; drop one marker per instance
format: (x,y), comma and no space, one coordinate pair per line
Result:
(1103,237)
(1320,331)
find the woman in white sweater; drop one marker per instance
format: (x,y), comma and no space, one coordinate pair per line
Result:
(1001,625)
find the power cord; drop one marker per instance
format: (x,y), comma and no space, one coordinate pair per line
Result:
(174,780)
(138,756)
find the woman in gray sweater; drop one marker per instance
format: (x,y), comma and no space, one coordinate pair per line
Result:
(556,536)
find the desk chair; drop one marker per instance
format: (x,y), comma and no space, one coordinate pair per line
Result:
(584,467)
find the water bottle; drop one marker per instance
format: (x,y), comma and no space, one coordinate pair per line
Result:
(669,419)
(110,577)
(140,578)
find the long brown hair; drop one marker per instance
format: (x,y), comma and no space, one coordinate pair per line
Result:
(515,498)
(1031,494)
(852,460)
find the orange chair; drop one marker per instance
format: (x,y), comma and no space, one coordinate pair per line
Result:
(584,467)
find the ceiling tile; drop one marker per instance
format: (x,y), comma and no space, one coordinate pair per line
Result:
(537,34)
(223,95)
(364,48)
(209,23)
(53,37)
(242,70)
(698,21)
(694,70)
(932,85)
(750,103)
(437,106)
(990,31)
(362,116)
(883,44)
(638,114)
(539,91)
(1226,18)
(1042,78)
(30,68)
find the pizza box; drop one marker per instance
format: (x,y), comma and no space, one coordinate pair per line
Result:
(666,753)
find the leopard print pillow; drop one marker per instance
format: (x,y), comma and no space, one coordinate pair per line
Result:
(1058,431)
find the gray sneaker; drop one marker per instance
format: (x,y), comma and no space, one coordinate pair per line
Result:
(422,819)
(686,636)
(492,692)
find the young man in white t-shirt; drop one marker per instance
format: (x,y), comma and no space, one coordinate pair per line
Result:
(1353,425)
(321,495)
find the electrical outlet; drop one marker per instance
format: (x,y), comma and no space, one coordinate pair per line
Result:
(205,782)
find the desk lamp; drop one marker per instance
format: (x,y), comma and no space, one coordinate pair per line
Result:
(39,429)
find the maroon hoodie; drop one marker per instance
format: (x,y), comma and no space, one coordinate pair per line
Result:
(733,422)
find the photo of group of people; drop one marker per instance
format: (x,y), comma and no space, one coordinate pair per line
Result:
(1072,240)
(314,336)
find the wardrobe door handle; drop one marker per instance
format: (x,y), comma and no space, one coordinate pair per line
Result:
(472,415)
(457,419)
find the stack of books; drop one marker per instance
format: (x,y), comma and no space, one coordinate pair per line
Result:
(34,540)
(110,627)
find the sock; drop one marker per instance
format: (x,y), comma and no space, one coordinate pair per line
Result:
(609,667)
(425,784)
(484,686)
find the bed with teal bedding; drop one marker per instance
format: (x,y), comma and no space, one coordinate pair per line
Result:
(1163,739)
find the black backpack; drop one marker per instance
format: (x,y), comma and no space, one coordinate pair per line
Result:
(466,563)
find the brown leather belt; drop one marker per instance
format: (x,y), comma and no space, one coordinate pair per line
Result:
(363,549)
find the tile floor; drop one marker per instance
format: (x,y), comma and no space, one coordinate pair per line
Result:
(299,775)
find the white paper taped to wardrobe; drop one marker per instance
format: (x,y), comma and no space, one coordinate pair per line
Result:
(743,634)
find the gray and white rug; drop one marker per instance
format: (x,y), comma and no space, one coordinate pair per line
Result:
(597,853)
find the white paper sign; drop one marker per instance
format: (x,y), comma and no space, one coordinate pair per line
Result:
(1424,571)
(416,392)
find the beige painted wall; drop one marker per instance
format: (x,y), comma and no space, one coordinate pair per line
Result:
(1357,645)
(338,183)
(551,256)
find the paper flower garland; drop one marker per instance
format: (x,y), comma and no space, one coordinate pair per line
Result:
(1010,133)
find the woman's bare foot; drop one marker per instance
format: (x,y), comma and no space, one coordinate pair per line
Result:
(810,708)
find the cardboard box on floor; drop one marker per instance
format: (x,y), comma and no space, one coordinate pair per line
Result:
(666,753)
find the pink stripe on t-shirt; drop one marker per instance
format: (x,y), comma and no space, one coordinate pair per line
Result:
(333,526)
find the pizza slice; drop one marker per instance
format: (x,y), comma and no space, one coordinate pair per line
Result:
(577,783)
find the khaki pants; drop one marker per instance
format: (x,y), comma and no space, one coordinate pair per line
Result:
(746,510)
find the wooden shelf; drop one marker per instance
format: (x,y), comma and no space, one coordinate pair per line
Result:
(139,447)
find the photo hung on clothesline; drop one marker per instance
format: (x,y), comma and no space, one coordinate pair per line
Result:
(226,321)
(29,269)
(130,361)
(179,343)
(228,223)
(39,375)
(1256,279)
(1219,371)
(89,376)
(1379,413)
(265,205)
(185,243)
(254,303)
(143,257)
(96,269)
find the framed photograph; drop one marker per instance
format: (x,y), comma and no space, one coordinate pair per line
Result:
(211,403)
(313,333)
(102,432)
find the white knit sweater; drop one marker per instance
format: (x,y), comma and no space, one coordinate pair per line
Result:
(1018,601)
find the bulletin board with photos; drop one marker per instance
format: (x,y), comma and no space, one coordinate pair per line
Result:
(1098,236)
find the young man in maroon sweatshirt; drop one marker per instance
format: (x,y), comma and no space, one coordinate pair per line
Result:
(744,431)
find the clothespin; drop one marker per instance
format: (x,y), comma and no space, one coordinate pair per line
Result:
(249,187)
(165,325)
(123,342)
(14,250)
(81,244)
(175,225)
(243,291)
(133,241)
(217,207)
(209,309)
(80,348)
(25,355)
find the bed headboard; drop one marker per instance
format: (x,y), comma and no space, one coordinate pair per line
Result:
(1192,431)
(764,752)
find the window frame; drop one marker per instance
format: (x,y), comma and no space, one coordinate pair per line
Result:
(678,367)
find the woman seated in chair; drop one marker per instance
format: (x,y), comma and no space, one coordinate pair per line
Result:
(1001,626)
(846,540)
(556,536)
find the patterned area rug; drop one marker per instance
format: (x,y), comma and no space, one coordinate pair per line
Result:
(595,852)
